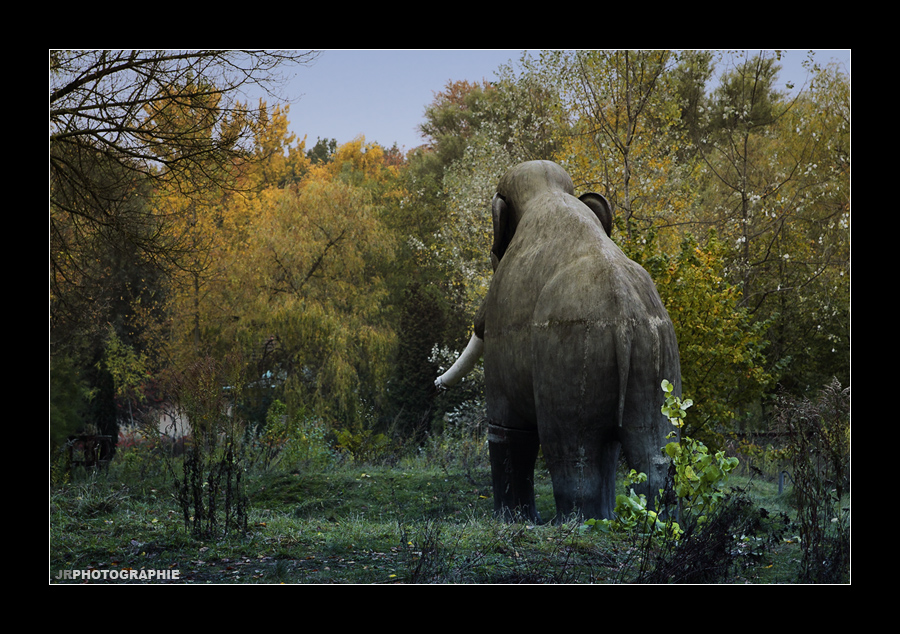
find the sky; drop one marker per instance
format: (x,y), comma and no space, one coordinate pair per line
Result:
(382,94)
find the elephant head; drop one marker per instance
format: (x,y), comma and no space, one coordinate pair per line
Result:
(524,184)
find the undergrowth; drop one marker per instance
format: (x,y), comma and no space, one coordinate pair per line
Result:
(425,518)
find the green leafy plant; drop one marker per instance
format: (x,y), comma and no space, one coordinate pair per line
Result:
(699,478)
(362,445)
(633,515)
(295,441)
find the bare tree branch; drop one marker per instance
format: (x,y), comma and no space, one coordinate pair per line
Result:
(124,121)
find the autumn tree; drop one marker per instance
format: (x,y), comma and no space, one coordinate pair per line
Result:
(296,282)
(311,270)
(623,138)
(115,140)
(276,157)
(117,122)
(722,347)
(779,195)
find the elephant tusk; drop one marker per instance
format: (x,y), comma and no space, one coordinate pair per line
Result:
(463,364)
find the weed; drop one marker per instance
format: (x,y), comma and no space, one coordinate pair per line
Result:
(427,520)
(819,451)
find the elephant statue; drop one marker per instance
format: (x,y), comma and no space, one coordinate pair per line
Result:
(576,343)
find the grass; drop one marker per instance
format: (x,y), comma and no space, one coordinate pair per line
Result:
(354,524)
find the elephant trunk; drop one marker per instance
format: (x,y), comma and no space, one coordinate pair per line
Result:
(463,364)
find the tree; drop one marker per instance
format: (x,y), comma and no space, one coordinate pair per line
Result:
(275,159)
(744,107)
(779,195)
(624,129)
(101,99)
(302,287)
(117,123)
(322,151)
(138,140)
(722,347)
(689,81)
(100,283)
(477,132)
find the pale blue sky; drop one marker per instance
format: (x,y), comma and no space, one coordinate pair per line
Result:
(382,94)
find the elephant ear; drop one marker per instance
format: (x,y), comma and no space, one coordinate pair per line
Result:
(502,229)
(601,208)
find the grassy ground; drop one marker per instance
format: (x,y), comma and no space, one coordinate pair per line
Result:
(414,523)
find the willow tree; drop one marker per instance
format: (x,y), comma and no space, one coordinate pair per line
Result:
(303,292)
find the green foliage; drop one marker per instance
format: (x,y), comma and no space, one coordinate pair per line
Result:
(699,478)
(363,445)
(129,369)
(460,446)
(424,315)
(323,151)
(699,475)
(674,408)
(633,516)
(140,460)
(68,397)
(780,199)
(818,432)
(313,286)
(296,442)
(721,345)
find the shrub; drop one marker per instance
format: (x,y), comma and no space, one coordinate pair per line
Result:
(295,441)
(818,432)
(717,532)
(362,445)
(210,490)
(698,478)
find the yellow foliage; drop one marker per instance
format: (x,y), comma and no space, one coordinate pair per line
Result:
(721,347)
(356,159)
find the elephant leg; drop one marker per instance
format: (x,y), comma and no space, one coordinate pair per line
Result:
(513,455)
(584,477)
(644,453)
(576,400)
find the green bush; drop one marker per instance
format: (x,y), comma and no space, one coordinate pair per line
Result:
(700,476)
(818,433)
(296,441)
(698,480)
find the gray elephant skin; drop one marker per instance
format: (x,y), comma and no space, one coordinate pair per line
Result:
(576,343)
